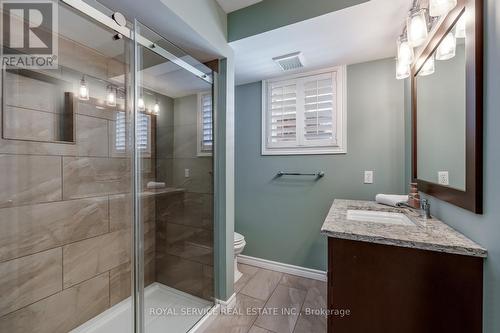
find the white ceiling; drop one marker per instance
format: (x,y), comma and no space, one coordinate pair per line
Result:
(157,16)
(356,34)
(232,5)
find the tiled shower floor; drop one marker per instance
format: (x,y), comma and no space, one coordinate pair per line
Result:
(174,319)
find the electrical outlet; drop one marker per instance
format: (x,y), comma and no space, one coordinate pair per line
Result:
(368,177)
(186,173)
(443,178)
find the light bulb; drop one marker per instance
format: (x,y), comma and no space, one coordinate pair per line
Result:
(461,24)
(140,104)
(111,96)
(156,108)
(441,7)
(402,70)
(83,92)
(405,51)
(428,68)
(416,26)
(446,50)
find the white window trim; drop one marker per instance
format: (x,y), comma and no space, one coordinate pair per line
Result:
(199,132)
(341,114)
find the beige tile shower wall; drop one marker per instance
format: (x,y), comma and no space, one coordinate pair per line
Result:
(184,233)
(64,208)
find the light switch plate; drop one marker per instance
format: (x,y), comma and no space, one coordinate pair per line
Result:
(186,173)
(368,177)
(443,178)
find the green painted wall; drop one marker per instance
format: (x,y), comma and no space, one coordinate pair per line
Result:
(281,219)
(484,229)
(272,14)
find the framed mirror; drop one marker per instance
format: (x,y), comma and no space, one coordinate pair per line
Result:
(447,97)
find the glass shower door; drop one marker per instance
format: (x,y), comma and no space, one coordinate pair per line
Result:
(65,189)
(174,186)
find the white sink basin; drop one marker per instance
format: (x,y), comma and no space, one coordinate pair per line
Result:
(379,217)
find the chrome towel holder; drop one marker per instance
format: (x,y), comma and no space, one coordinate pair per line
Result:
(318,174)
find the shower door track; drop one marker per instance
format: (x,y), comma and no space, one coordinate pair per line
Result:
(104,19)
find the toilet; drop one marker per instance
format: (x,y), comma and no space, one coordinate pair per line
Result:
(239,245)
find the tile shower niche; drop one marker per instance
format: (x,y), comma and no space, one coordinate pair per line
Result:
(37,107)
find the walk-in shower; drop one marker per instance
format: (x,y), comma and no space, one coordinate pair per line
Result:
(106,193)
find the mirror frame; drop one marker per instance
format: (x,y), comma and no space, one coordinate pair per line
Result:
(472,198)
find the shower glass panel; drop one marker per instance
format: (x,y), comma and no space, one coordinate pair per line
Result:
(66,185)
(175,185)
(106,194)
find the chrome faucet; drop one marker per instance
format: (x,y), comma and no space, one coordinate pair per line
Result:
(425,209)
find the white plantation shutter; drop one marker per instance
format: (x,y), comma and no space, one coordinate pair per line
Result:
(305,114)
(319,109)
(120,132)
(143,132)
(206,123)
(282,128)
(143,137)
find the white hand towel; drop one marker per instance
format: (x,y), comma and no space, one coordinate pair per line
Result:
(153,185)
(391,199)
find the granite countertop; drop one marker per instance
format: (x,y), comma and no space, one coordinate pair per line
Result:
(430,234)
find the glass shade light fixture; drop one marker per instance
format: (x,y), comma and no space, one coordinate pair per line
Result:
(416,27)
(156,108)
(441,7)
(83,91)
(402,70)
(405,51)
(140,104)
(111,95)
(447,48)
(428,68)
(461,24)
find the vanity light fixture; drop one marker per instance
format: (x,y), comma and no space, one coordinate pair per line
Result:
(405,51)
(140,104)
(402,70)
(416,27)
(446,50)
(441,7)
(156,108)
(111,95)
(428,68)
(461,24)
(83,92)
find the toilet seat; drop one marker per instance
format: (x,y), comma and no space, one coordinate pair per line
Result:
(238,238)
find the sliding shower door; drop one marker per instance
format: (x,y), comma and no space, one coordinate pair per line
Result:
(66,181)
(106,193)
(174,185)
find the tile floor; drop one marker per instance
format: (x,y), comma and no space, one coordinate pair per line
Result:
(268,301)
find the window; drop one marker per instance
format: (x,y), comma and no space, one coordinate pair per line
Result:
(143,133)
(304,114)
(205,124)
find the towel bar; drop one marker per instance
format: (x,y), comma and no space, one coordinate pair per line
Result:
(318,174)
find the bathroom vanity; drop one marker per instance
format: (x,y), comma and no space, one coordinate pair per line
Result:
(389,270)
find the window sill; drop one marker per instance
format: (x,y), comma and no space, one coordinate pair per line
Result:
(308,151)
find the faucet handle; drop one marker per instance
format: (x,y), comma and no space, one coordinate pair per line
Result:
(425,207)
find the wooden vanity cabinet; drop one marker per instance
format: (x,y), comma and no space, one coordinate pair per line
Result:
(391,289)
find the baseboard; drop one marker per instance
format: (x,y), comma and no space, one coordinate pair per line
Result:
(204,322)
(225,303)
(283,268)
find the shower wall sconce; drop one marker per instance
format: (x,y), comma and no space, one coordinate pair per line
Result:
(83,92)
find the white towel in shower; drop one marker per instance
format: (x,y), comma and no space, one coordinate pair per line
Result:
(154,185)
(391,199)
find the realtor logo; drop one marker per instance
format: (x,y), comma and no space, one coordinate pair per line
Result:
(29,35)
